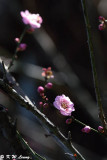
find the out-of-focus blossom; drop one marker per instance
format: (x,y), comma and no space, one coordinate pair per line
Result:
(101,129)
(46,99)
(102,24)
(34,20)
(69,121)
(101,18)
(22,47)
(64,105)
(40,104)
(47,73)
(49,85)
(17,40)
(86,129)
(40,89)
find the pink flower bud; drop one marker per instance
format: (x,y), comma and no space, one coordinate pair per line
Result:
(101,26)
(40,89)
(68,121)
(49,85)
(40,104)
(22,47)
(86,129)
(101,129)
(17,40)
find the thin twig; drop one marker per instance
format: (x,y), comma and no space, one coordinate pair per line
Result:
(83,124)
(34,154)
(16,50)
(97,92)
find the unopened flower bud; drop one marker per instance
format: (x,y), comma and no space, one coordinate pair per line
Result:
(101,26)
(101,18)
(40,104)
(17,40)
(101,129)
(86,129)
(49,85)
(46,99)
(40,89)
(22,47)
(68,121)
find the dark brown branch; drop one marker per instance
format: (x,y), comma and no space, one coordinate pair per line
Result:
(14,91)
(9,143)
(95,79)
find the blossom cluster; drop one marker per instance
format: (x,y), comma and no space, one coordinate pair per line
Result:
(34,21)
(47,74)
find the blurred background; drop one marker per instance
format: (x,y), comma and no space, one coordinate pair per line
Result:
(61,43)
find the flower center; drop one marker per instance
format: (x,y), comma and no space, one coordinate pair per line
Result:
(49,73)
(64,105)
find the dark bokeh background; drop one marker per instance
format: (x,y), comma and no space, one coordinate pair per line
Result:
(62,44)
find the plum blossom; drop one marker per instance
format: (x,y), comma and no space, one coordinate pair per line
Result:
(64,105)
(34,20)
(47,73)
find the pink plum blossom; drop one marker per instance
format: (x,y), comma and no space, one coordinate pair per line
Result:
(47,73)
(64,105)
(86,129)
(34,20)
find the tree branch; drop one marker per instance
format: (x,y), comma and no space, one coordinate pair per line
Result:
(90,44)
(15,92)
